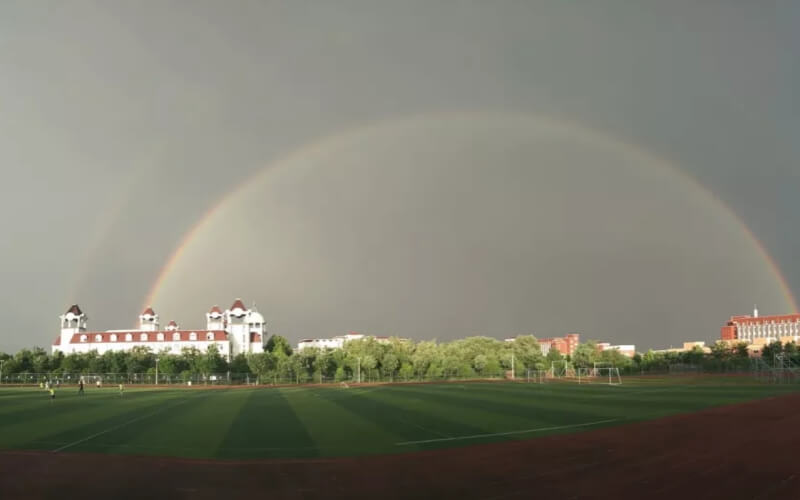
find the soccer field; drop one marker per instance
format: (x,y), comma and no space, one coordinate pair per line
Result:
(248,423)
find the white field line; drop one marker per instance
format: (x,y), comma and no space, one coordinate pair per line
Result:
(111,429)
(525,431)
(431,431)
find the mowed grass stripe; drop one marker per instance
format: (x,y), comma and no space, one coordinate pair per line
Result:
(165,430)
(509,412)
(336,430)
(305,422)
(267,426)
(636,402)
(408,418)
(100,412)
(123,425)
(451,419)
(39,408)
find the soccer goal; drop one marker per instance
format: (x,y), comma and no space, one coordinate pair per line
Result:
(537,376)
(599,375)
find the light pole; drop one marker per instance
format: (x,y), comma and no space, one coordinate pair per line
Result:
(1,370)
(156,370)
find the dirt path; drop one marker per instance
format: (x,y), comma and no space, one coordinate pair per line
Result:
(746,451)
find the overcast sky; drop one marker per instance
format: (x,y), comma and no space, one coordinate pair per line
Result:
(122,123)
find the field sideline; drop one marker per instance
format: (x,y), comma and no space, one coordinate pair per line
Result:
(306,422)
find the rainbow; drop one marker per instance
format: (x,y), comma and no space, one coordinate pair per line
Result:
(561,124)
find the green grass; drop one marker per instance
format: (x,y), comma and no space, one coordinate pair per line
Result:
(314,422)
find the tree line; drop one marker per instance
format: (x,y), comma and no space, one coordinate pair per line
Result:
(369,360)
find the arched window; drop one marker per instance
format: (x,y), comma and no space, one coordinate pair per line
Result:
(128,337)
(210,336)
(160,336)
(176,336)
(98,338)
(113,337)
(83,338)
(143,337)
(193,336)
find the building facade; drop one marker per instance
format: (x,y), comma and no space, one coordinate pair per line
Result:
(757,329)
(338,342)
(237,330)
(628,350)
(566,345)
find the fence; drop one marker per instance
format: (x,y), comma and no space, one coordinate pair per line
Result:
(194,379)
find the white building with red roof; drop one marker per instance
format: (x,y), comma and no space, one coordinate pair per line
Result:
(234,331)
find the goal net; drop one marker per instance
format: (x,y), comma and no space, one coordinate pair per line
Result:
(599,375)
(537,376)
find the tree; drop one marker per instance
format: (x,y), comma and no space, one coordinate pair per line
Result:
(368,363)
(389,364)
(277,343)
(721,351)
(40,360)
(262,364)
(769,351)
(427,353)
(741,350)
(585,355)
(239,364)
(406,371)
(553,356)
(694,356)
(479,363)
(211,362)
(791,351)
(527,352)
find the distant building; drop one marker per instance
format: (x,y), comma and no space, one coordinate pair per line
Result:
(566,345)
(687,346)
(234,331)
(626,350)
(339,341)
(757,329)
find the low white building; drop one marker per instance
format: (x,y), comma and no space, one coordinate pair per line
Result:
(336,342)
(234,331)
(626,350)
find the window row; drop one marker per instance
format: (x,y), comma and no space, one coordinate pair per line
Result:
(144,337)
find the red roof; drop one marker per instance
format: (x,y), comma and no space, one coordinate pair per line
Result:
(172,323)
(74,310)
(182,336)
(57,341)
(148,311)
(238,303)
(749,320)
(215,309)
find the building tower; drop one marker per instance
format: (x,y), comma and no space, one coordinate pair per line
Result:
(256,329)
(148,320)
(172,326)
(214,319)
(73,321)
(236,327)
(755,311)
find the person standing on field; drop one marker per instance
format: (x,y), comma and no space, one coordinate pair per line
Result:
(52,395)
(121,390)
(80,387)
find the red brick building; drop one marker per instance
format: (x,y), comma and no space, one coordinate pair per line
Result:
(762,329)
(565,345)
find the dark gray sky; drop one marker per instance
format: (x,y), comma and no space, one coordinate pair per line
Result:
(122,124)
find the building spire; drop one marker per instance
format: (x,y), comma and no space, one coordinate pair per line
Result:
(755,311)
